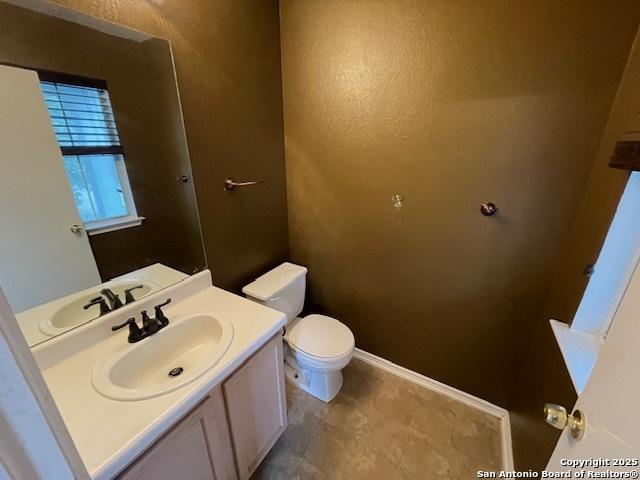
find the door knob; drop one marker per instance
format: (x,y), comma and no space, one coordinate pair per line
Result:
(557,416)
(77,229)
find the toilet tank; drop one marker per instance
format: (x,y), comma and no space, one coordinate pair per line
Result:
(282,289)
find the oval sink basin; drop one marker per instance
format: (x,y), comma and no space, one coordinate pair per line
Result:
(165,361)
(72,314)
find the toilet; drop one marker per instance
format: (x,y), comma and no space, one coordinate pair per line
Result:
(317,347)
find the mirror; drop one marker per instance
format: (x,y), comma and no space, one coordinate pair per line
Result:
(97,205)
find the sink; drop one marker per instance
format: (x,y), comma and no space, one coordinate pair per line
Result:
(172,358)
(72,314)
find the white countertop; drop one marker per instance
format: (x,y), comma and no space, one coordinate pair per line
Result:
(109,434)
(158,275)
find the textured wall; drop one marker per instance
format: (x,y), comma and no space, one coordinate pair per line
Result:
(543,377)
(227,56)
(449,104)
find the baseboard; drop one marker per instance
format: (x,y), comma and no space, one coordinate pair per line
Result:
(459,395)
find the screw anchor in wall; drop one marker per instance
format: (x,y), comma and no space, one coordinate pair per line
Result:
(397,200)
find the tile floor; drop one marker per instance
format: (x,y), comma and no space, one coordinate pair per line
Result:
(381,427)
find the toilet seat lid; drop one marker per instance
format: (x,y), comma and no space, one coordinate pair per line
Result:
(321,336)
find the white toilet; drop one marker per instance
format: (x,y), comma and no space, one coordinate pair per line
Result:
(317,347)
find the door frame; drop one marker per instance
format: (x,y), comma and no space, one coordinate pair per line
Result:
(19,455)
(38,439)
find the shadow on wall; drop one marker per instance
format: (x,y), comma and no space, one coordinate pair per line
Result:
(543,379)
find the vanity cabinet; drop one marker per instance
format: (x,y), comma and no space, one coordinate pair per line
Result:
(197,448)
(256,406)
(230,432)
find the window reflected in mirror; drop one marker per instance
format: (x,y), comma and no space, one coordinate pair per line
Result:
(92,131)
(83,121)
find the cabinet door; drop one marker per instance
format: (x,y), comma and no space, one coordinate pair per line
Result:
(256,406)
(197,448)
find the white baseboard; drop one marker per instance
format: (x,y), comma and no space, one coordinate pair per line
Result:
(459,395)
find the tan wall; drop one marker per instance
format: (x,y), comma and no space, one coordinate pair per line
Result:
(228,67)
(449,104)
(543,377)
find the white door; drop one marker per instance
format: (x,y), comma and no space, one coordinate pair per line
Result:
(41,259)
(610,398)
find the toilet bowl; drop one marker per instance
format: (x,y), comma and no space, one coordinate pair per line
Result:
(317,347)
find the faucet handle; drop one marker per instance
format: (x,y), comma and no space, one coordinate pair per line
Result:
(128,296)
(104,308)
(135,334)
(164,304)
(160,316)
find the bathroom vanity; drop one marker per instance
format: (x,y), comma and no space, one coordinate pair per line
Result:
(220,424)
(245,415)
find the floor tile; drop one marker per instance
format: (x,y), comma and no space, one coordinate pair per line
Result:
(306,471)
(479,442)
(382,426)
(280,463)
(368,464)
(385,435)
(434,420)
(361,384)
(467,468)
(421,457)
(346,412)
(396,403)
(330,450)
(304,414)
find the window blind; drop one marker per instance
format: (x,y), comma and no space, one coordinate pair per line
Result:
(82,118)
(83,121)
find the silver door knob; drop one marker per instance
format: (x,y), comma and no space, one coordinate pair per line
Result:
(557,416)
(77,229)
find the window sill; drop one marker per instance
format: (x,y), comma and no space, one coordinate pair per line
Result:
(112,225)
(579,350)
